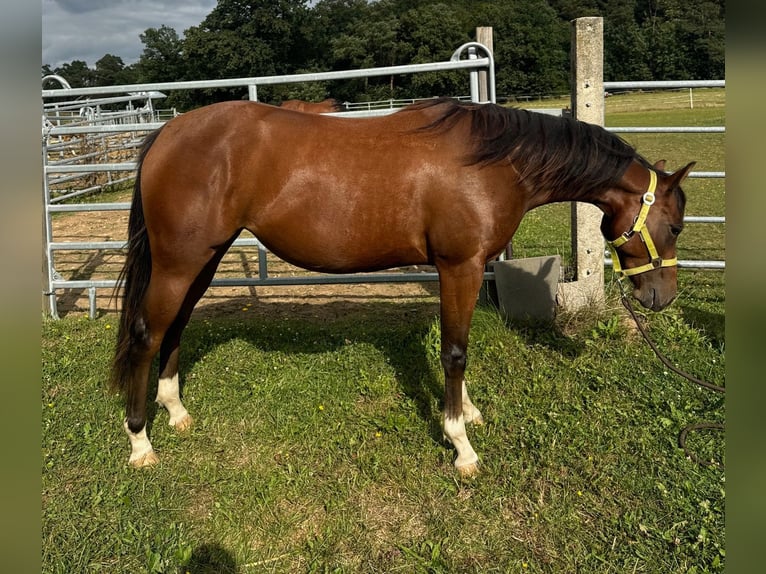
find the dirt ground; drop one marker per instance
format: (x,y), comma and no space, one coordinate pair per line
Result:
(303,300)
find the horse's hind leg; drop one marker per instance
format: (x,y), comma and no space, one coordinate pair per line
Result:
(174,288)
(163,299)
(168,389)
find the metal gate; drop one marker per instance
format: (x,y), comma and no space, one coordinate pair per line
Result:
(87,147)
(81,140)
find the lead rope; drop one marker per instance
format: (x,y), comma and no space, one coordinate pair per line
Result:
(716,388)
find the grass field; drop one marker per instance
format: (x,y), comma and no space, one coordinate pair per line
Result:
(317,445)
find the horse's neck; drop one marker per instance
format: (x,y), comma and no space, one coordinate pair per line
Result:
(559,194)
(634,180)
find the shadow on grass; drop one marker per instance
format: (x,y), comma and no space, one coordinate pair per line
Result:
(210,559)
(398,330)
(712,324)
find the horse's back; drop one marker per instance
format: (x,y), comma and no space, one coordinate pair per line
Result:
(261,146)
(326,193)
(325,106)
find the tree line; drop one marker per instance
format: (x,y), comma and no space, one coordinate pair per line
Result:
(643,40)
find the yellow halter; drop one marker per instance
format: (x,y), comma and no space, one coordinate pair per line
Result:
(639,226)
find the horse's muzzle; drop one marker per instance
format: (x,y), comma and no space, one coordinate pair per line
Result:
(653,299)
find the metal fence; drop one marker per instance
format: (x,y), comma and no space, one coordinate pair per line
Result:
(70,126)
(88,146)
(695,219)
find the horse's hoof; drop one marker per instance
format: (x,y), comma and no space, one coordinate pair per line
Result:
(184,424)
(469,470)
(149,459)
(478,420)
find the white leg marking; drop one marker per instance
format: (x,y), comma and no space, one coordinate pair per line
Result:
(467,460)
(168,396)
(141,451)
(470,412)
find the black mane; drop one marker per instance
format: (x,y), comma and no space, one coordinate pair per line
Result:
(550,153)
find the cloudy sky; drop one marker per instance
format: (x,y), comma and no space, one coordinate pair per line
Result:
(88,29)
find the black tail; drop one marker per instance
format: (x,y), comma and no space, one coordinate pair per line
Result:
(135,274)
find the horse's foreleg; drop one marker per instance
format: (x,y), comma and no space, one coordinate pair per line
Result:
(470,413)
(141,451)
(459,287)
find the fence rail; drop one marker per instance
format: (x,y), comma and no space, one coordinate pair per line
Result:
(654,85)
(64,130)
(86,122)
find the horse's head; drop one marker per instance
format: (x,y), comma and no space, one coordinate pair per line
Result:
(642,220)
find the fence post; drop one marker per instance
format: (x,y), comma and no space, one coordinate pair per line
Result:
(49,295)
(587,85)
(473,76)
(484,36)
(46,275)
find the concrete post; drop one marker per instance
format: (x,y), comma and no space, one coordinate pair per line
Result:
(587,80)
(484,36)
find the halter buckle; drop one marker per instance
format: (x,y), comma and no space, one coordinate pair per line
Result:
(649,198)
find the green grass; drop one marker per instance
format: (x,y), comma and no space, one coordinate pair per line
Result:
(317,445)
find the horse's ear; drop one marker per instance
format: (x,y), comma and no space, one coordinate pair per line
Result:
(681,175)
(660,165)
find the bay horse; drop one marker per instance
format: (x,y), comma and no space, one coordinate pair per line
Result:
(439,183)
(325,106)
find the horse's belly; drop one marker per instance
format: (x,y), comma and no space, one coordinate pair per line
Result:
(339,241)
(333,256)
(336,214)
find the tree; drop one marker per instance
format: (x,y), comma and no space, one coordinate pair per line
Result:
(643,40)
(531,46)
(701,30)
(664,55)
(245,38)
(625,44)
(431,33)
(77,73)
(162,59)
(327,20)
(110,71)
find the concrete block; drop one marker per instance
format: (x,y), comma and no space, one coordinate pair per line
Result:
(525,289)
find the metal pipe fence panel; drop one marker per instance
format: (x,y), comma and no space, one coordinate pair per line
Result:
(666,85)
(69,128)
(63,132)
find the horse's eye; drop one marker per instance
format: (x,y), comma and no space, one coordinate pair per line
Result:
(676,229)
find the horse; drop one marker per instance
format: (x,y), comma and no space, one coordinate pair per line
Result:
(439,182)
(325,106)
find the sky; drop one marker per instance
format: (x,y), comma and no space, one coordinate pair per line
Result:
(88,29)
